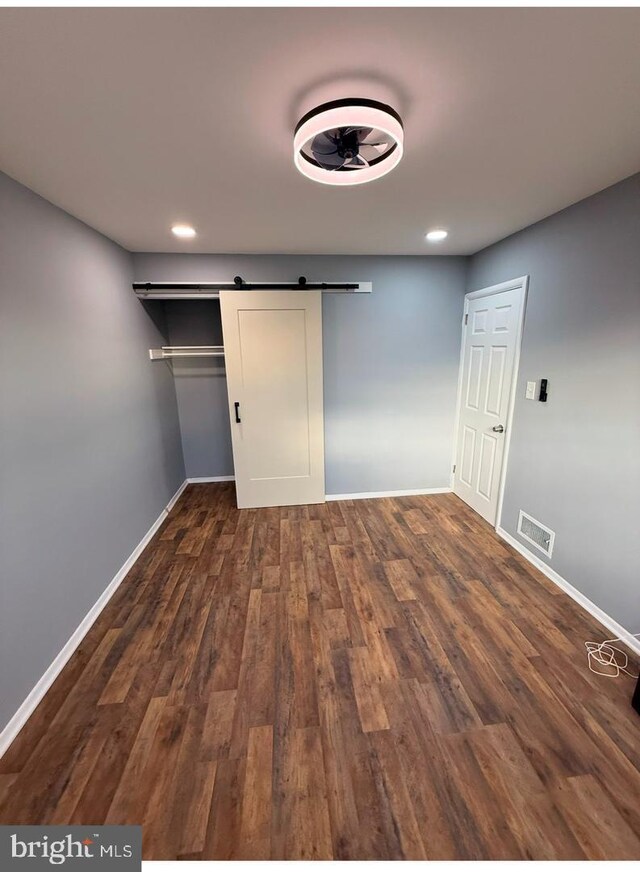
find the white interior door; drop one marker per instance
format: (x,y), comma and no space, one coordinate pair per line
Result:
(491,342)
(273,359)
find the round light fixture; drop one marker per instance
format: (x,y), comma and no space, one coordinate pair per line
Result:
(348,142)
(436,235)
(183,231)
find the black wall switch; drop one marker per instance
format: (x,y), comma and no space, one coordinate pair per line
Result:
(543,390)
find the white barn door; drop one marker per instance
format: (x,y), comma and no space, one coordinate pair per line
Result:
(490,347)
(273,359)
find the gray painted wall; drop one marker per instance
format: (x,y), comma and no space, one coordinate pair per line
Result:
(89,444)
(390,365)
(575,461)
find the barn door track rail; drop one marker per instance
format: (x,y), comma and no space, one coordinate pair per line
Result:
(211,290)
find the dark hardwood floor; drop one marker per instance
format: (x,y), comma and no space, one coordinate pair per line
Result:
(373,679)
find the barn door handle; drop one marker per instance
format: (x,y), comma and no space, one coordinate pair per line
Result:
(237,408)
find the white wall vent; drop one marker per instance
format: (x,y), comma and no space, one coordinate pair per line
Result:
(536,533)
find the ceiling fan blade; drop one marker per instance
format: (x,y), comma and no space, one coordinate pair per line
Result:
(328,161)
(357,161)
(370,152)
(362,132)
(323,143)
(378,138)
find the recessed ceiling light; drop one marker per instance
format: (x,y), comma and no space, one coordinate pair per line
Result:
(437,235)
(348,142)
(183,231)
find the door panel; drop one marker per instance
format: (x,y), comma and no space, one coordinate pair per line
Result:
(502,320)
(273,355)
(479,322)
(468,451)
(488,368)
(474,377)
(495,380)
(487,465)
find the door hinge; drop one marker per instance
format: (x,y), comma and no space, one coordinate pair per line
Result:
(454,467)
(466,317)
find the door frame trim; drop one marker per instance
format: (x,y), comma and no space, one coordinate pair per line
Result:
(522,284)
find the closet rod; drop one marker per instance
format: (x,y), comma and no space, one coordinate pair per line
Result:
(168,352)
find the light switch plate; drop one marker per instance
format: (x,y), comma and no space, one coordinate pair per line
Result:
(531,391)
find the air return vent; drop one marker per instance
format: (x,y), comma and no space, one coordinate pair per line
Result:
(536,533)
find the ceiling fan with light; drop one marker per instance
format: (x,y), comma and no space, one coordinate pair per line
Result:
(348,142)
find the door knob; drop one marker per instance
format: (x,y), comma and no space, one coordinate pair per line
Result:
(498,428)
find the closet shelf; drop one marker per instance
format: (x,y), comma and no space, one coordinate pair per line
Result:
(168,352)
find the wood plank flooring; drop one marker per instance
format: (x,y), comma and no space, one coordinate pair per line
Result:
(375,679)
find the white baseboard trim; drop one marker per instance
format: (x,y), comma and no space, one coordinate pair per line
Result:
(205,479)
(616,629)
(174,499)
(38,691)
(372,495)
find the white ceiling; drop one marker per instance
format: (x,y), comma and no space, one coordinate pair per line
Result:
(134,119)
